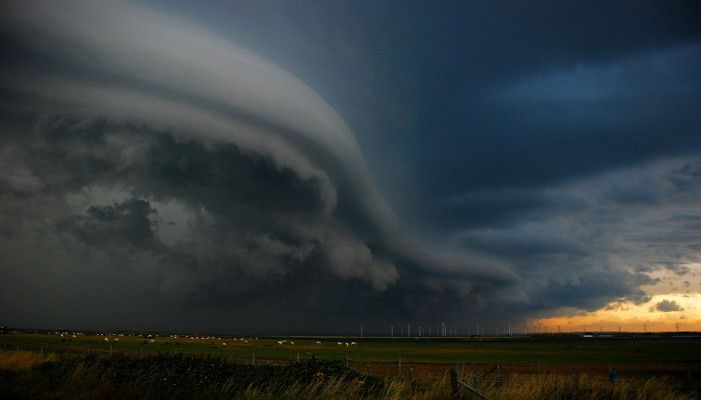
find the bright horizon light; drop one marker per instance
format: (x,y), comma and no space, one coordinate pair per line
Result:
(662,313)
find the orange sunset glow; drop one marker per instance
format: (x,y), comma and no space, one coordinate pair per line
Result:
(673,304)
(662,313)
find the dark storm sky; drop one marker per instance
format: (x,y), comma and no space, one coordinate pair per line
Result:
(305,167)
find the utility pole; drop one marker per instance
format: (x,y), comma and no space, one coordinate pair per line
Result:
(408,330)
(361,330)
(391,330)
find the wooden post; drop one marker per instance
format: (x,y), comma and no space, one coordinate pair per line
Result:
(498,373)
(110,349)
(454,395)
(400,366)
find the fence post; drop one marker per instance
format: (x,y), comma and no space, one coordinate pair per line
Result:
(613,375)
(498,372)
(400,366)
(454,395)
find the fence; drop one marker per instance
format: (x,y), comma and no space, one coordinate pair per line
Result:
(391,369)
(456,383)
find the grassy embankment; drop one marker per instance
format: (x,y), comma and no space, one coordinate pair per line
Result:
(37,376)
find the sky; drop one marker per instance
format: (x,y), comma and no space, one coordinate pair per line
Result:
(308,167)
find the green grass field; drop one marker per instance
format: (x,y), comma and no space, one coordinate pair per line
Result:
(565,350)
(661,367)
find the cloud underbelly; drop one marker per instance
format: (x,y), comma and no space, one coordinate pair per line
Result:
(134,107)
(157,76)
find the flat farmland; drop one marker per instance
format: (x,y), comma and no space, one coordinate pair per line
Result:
(631,351)
(207,366)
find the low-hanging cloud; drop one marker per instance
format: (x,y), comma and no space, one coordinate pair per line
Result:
(222,172)
(157,174)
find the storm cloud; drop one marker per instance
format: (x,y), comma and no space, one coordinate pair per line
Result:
(667,306)
(157,166)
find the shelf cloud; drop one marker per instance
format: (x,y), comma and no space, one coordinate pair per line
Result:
(152,165)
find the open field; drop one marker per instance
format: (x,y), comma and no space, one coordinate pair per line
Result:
(548,350)
(428,357)
(205,366)
(41,376)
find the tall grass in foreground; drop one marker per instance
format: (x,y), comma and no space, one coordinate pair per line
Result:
(17,360)
(30,375)
(583,386)
(520,387)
